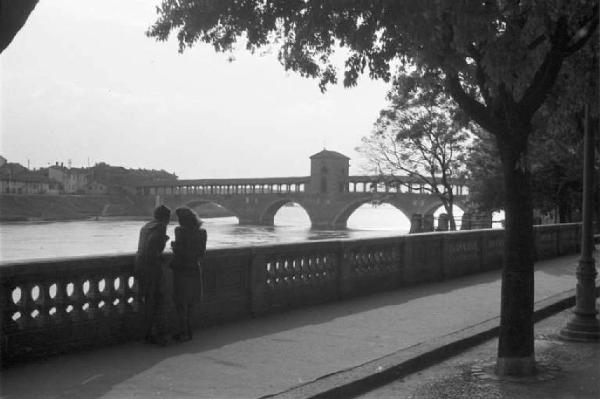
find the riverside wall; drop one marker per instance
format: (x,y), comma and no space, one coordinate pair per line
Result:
(59,305)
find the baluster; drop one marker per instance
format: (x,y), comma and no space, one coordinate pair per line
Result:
(42,303)
(109,296)
(93,297)
(25,305)
(76,299)
(116,294)
(303,264)
(131,299)
(104,303)
(122,292)
(60,302)
(8,308)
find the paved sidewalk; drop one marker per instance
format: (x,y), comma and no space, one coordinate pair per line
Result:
(566,370)
(265,356)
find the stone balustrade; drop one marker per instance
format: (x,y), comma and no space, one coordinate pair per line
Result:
(53,306)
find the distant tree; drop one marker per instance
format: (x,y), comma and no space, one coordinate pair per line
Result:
(498,59)
(13,15)
(420,137)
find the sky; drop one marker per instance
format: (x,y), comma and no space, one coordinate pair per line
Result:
(81,83)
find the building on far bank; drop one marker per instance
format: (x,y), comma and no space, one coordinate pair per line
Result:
(101,179)
(96,188)
(17,179)
(73,180)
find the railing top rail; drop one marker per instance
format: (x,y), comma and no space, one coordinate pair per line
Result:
(557,225)
(63,266)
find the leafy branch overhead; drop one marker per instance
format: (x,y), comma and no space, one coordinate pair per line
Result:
(13,15)
(498,47)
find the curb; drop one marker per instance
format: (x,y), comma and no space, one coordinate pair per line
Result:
(368,376)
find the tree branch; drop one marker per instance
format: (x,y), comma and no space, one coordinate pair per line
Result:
(543,80)
(477,111)
(479,73)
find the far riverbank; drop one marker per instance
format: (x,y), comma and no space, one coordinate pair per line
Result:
(35,208)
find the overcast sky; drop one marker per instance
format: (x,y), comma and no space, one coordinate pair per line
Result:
(81,81)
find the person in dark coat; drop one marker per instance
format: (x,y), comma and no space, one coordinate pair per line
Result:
(148,266)
(189,248)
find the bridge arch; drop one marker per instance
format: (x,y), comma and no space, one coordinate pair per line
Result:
(431,208)
(341,219)
(197,202)
(267,217)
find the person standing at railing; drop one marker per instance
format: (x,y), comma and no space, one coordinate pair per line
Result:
(189,248)
(149,264)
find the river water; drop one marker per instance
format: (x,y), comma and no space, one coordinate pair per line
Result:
(21,241)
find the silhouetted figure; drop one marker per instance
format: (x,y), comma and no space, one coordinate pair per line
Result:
(148,265)
(189,248)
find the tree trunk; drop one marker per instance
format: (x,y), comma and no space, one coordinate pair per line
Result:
(452,221)
(450,212)
(515,347)
(596,204)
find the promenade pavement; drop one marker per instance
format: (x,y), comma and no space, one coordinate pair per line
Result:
(565,370)
(269,355)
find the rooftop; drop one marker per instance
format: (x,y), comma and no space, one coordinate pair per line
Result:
(328,154)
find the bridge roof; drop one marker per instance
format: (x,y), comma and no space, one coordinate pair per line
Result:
(250,180)
(329,154)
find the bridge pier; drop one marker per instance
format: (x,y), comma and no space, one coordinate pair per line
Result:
(328,225)
(481,220)
(465,222)
(476,220)
(428,222)
(443,221)
(416,223)
(245,221)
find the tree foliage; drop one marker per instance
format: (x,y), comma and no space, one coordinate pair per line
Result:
(498,47)
(13,15)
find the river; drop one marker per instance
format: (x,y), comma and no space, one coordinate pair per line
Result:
(21,241)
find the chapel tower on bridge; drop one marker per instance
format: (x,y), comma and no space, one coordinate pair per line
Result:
(329,172)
